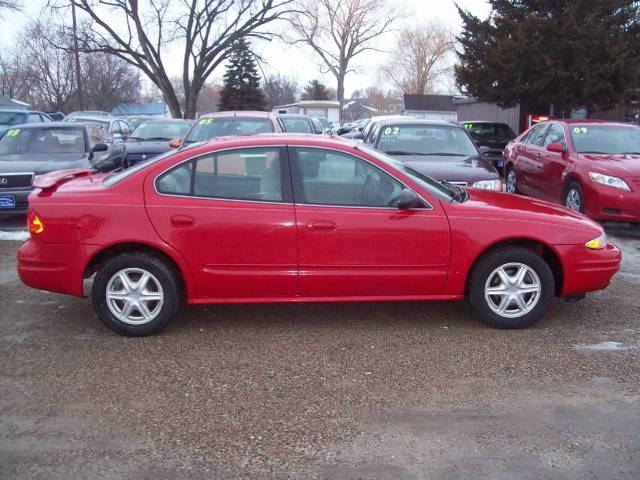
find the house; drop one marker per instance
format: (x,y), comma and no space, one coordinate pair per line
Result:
(355,109)
(13,104)
(328,109)
(433,107)
(153,109)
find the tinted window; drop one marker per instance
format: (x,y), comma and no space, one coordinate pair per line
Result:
(296,125)
(555,135)
(42,140)
(34,118)
(490,131)
(208,128)
(536,135)
(609,139)
(425,140)
(373,135)
(327,177)
(243,174)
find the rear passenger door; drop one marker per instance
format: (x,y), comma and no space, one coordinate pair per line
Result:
(230,214)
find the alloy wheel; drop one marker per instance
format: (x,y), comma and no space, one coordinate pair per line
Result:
(511,181)
(134,296)
(573,200)
(512,290)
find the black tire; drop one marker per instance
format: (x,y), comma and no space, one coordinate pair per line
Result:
(511,170)
(573,190)
(485,268)
(165,276)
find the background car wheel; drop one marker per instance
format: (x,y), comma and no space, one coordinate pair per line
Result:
(511,180)
(136,294)
(573,197)
(511,288)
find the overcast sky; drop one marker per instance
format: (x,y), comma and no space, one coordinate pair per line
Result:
(298,62)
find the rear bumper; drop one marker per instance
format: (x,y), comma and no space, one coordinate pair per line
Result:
(587,270)
(53,267)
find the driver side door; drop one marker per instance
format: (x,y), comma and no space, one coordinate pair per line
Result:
(352,242)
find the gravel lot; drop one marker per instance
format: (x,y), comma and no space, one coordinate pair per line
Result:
(392,390)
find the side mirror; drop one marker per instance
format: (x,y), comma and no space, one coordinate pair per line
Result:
(98,147)
(175,143)
(556,148)
(408,199)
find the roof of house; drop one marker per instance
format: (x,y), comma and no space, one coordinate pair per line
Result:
(311,103)
(430,103)
(8,102)
(357,103)
(151,108)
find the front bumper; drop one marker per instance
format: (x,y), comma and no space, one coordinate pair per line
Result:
(53,267)
(613,204)
(587,270)
(21,198)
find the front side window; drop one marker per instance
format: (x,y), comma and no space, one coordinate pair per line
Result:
(329,177)
(243,174)
(208,128)
(34,118)
(536,136)
(555,135)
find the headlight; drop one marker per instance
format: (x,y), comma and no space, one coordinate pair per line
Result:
(598,243)
(489,185)
(610,181)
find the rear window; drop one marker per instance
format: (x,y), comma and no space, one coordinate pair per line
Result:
(208,128)
(296,125)
(491,131)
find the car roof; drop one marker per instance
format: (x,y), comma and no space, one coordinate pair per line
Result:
(572,121)
(92,118)
(292,115)
(49,125)
(18,110)
(280,139)
(238,113)
(418,121)
(492,122)
(168,120)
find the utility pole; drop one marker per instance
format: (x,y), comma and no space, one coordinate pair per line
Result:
(77,56)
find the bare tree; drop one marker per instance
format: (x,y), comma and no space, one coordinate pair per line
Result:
(108,81)
(206,29)
(280,89)
(10,5)
(340,30)
(421,57)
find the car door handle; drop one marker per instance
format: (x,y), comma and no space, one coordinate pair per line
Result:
(321,225)
(180,221)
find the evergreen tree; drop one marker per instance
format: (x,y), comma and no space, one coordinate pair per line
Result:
(315,91)
(241,87)
(565,53)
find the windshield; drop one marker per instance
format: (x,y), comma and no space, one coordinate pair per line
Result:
(296,125)
(431,185)
(12,118)
(606,139)
(425,140)
(208,128)
(43,140)
(160,131)
(493,131)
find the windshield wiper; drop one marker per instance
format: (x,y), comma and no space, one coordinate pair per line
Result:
(596,152)
(631,153)
(402,152)
(447,154)
(155,139)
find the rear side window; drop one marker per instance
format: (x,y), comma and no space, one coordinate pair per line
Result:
(243,174)
(555,135)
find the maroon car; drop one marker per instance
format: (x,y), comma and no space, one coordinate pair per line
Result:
(590,166)
(442,150)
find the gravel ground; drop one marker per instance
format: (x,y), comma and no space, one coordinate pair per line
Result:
(343,391)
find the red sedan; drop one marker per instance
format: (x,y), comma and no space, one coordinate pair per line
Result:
(297,218)
(590,166)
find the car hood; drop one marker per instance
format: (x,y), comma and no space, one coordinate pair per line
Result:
(42,162)
(508,208)
(617,165)
(451,168)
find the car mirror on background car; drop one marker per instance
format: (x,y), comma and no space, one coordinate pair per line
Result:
(175,143)
(98,147)
(556,147)
(408,199)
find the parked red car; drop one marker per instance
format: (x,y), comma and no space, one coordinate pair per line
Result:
(589,166)
(300,218)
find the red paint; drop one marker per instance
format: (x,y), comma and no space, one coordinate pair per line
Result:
(244,251)
(544,174)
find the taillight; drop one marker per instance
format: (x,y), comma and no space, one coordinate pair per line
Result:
(36,226)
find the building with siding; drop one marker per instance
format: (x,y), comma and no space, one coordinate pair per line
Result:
(432,107)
